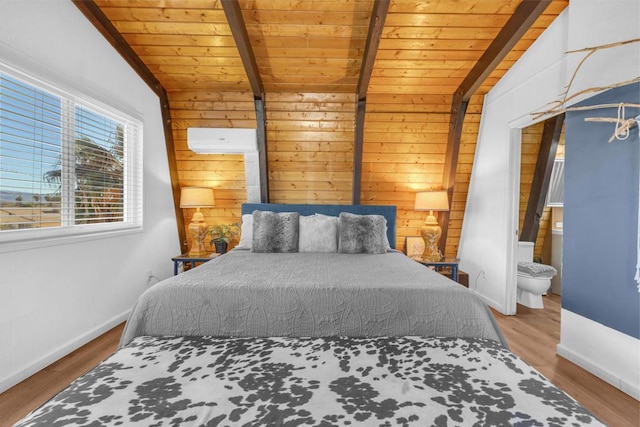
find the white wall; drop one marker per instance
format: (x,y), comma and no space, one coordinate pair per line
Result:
(488,236)
(55,298)
(489,232)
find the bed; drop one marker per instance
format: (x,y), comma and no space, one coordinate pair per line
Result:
(268,335)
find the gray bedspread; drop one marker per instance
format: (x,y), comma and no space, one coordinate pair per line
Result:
(245,294)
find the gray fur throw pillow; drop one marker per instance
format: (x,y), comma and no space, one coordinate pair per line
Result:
(275,232)
(359,234)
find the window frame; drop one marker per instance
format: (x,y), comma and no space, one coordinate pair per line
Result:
(133,212)
(555,193)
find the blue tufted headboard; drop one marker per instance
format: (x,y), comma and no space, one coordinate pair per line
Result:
(389,212)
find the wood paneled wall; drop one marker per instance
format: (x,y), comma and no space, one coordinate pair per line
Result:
(531,139)
(310,147)
(404,150)
(225,173)
(310,152)
(308,56)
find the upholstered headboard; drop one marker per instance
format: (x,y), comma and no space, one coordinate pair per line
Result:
(389,212)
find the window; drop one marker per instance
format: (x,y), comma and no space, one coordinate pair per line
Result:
(555,195)
(68,165)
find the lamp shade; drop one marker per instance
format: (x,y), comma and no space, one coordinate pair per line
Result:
(432,201)
(196,197)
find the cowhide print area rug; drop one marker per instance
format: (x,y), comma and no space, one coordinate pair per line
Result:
(400,381)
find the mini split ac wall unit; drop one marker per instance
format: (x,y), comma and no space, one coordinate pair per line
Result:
(221,140)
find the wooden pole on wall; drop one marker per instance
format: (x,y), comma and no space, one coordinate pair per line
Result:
(378,16)
(357,152)
(239,31)
(541,177)
(263,161)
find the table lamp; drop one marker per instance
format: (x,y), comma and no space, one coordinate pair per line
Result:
(197,197)
(431,231)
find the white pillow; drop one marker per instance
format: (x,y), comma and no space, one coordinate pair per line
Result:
(318,233)
(387,246)
(246,232)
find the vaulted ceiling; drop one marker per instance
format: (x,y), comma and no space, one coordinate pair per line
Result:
(318,45)
(394,58)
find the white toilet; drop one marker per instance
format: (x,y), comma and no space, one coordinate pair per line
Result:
(534,279)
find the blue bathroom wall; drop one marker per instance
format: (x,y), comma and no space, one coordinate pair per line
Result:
(601,216)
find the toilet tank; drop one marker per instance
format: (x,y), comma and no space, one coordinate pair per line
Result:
(525,251)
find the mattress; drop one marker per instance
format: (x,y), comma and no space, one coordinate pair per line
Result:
(331,381)
(310,295)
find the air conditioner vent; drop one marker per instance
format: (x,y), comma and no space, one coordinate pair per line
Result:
(221,140)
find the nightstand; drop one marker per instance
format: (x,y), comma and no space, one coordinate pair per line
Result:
(187,259)
(450,263)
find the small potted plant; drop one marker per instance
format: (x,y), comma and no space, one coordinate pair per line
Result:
(221,235)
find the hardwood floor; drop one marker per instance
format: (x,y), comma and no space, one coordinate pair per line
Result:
(532,335)
(26,396)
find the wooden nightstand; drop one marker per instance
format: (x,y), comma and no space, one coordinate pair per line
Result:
(191,261)
(448,263)
(463,277)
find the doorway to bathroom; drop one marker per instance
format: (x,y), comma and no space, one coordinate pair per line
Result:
(542,193)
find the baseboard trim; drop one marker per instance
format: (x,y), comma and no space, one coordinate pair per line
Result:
(491,303)
(599,372)
(62,351)
(613,360)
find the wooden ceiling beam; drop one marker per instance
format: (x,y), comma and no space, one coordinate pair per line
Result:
(541,177)
(521,20)
(376,24)
(239,31)
(100,21)
(524,16)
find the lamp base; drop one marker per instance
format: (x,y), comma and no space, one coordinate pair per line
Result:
(431,235)
(198,231)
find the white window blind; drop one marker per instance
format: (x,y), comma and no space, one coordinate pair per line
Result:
(67,165)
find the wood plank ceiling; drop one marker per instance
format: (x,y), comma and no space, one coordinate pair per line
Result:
(309,56)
